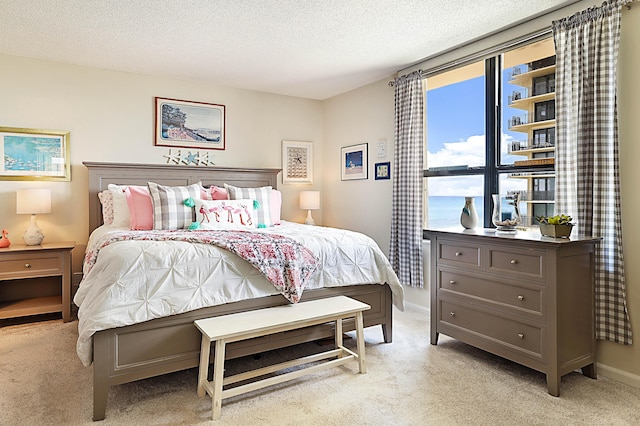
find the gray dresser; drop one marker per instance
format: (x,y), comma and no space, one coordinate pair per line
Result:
(524,297)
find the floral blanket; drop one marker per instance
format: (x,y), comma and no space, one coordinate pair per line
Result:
(286,263)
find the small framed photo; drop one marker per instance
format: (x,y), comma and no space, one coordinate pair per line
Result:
(297,162)
(33,154)
(355,161)
(383,170)
(187,124)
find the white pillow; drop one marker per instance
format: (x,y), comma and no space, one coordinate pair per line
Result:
(262,195)
(225,214)
(120,207)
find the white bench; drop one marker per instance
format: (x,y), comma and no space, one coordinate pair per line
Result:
(246,325)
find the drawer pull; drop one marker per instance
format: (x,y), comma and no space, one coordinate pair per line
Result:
(452,282)
(520,297)
(458,253)
(453,314)
(521,335)
(27,265)
(513,261)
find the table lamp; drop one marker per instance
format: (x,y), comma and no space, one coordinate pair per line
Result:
(309,200)
(33,201)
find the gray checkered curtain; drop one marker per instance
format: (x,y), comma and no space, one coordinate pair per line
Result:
(587,169)
(405,253)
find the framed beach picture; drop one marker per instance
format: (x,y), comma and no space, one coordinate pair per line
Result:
(188,124)
(34,154)
(355,162)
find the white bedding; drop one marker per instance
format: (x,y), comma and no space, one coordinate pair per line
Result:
(135,281)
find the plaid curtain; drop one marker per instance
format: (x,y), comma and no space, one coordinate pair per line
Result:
(587,169)
(405,253)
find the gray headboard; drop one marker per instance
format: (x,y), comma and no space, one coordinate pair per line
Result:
(102,174)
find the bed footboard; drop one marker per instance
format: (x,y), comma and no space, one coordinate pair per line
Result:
(165,345)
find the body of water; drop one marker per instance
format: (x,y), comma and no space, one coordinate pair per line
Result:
(444,211)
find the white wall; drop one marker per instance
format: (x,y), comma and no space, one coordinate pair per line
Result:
(111,118)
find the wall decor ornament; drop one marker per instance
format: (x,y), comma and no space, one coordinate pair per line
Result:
(383,170)
(189,124)
(355,162)
(34,154)
(469,216)
(297,162)
(190,158)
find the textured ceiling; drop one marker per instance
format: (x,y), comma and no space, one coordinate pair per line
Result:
(308,48)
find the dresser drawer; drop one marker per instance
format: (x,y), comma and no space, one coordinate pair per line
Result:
(507,331)
(492,291)
(30,266)
(529,263)
(456,253)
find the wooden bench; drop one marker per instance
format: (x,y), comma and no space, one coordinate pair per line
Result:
(246,325)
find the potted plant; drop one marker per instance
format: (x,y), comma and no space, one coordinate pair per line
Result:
(558,226)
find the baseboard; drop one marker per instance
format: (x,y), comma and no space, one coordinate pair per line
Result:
(414,307)
(619,375)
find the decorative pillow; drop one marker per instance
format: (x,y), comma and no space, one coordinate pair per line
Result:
(106,199)
(214,193)
(120,207)
(262,195)
(140,207)
(225,214)
(276,206)
(169,209)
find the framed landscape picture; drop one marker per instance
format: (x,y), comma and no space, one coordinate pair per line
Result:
(34,154)
(354,162)
(187,124)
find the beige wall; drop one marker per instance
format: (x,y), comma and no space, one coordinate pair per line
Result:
(111,118)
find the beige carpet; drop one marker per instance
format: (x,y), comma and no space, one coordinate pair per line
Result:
(409,382)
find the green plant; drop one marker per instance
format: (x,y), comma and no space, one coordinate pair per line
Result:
(555,220)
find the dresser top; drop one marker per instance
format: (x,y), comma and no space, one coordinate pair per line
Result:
(532,235)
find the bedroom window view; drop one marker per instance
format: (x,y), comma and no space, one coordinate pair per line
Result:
(521,84)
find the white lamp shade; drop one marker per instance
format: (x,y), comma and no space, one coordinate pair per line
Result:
(310,200)
(33,201)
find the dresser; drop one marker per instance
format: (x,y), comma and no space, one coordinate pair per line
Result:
(35,280)
(524,297)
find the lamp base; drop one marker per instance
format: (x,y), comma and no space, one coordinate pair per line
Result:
(309,220)
(33,236)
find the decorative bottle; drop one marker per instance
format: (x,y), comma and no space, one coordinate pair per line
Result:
(469,216)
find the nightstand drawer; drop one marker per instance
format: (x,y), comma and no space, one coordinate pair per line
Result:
(456,253)
(501,330)
(29,266)
(517,262)
(492,291)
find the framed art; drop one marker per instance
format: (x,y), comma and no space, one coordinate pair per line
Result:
(297,162)
(188,124)
(34,154)
(383,170)
(355,162)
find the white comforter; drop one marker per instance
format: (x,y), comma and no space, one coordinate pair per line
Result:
(135,281)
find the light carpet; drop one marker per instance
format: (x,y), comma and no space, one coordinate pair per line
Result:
(408,382)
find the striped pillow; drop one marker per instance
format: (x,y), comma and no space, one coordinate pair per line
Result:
(169,210)
(262,195)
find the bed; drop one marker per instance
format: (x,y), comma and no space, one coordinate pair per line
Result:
(149,346)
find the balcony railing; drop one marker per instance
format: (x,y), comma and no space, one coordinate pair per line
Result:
(518,120)
(533,195)
(515,146)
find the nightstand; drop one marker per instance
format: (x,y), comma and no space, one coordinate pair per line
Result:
(35,280)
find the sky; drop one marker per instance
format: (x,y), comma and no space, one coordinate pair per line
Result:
(456,135)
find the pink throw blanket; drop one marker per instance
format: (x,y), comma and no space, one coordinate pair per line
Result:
(286,263)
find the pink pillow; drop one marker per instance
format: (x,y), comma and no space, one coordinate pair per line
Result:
(214,193)
(275,206)
(140,207)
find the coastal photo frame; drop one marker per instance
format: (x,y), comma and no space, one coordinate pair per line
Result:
(383,170)
(34,154)
(354,162)
(188,124)
(297,162)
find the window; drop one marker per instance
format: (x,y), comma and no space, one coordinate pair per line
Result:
(490,129)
